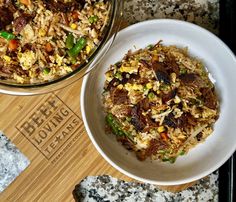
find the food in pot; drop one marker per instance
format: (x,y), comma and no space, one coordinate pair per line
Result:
(160,102)
(43,40)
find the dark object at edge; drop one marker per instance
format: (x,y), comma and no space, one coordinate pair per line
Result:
(227,172)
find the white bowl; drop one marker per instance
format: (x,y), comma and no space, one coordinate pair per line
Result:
(204,158)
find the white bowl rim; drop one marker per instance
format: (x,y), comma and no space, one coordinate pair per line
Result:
(156,182)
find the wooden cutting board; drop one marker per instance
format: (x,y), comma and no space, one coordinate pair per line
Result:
(49,130)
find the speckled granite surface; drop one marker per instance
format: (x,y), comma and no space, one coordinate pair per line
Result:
(105,188)
(202,12)
(12,162)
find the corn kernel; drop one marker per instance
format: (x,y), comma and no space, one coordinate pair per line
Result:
(177,99)
(88,49)
(149,86)
(161,129)
(173,77)
(7,58)
(120,86)
(42,32)
(73,26)
(158,92)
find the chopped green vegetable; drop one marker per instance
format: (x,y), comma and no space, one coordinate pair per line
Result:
(93,19)
(151,95)
(7,35)
(118,76)
(161,151)
(46,71)
(116,127)
(80,44)
(128,119)
(195,101)
(183,71)
(118,64)
(165,159)
(164,87)
(145,88)
(172,159)
(70,41)
(182,153)
(150,46)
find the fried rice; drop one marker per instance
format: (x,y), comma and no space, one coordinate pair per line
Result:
(43,40)
(160,102)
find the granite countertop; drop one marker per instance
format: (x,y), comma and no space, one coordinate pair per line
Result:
(105,188)
(201,12)
(12,162)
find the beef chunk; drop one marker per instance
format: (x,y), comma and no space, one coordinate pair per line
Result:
(119,96)
(186,120)
(209,97)
(129,78)
(154,146)
(6,17)
(192,79)
(6,71)
(61,6)
(170,120)
(144,104)
(145,63)
(137,119)
(125,142)
(21,22)
(160,71)
(172,66)
(114,82)
(169,96)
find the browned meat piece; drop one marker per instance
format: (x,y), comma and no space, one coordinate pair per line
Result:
(141,155)
(144,62)
(61,6)
(10,5)
(154,146)
(27,46)
(186,120)
(129,78)
(170,121)
(188,79)
(137,119)
(199,136)
(209,97)
(6,71)
(6,17)
(119,96)
(144,104)
(21,22)
(125,142)
(114,82)
(160,71)
(150,122)
(169,96)
(192,79)
(172,66)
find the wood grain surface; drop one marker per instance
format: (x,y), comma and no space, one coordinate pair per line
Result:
(49,130)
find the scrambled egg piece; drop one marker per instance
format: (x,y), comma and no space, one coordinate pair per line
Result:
(27,59)
(129,87)
(130,70)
